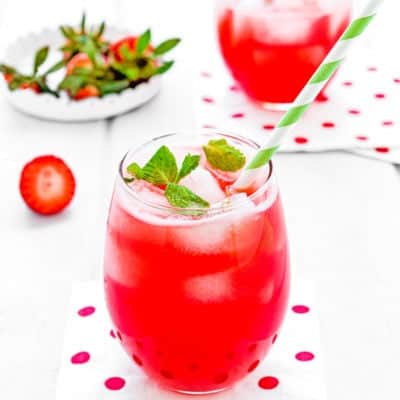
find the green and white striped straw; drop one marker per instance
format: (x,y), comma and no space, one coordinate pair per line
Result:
(308,94)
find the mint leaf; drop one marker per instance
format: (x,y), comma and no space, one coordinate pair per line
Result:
(189,164)
(223,156)
(166,46)
(40,58)
(161,169)
(143,42)
(164,68)
(135,170)
(181,197)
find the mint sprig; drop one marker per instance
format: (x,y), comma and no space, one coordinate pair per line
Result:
(223,156)
(162,169)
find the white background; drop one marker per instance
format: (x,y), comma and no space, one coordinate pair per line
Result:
(342,211)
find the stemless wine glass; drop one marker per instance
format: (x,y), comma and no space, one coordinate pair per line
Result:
(196,299)
(272,47)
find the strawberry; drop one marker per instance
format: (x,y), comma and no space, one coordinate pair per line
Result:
(80,60)
(8,77)
(129,43)
(47,185)
(34,81)
(85,92)
(83,40)
(33,86)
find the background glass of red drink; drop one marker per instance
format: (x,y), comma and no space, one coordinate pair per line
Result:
(272,47)
(197,302)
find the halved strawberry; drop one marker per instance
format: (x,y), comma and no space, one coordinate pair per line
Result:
(47,185)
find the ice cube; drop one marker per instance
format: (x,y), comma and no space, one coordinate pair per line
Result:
(146,203)
(204,185)
(210,288)
(236,234)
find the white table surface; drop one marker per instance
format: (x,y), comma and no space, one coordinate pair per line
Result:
(342,213)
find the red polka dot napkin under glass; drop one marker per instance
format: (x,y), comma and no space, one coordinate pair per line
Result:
(359,111)
(94,366)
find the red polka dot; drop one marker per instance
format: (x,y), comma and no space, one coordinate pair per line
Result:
(86,311)
(301,140)
(354,111)
(115,383)
(322,98)
(268,382)
(362,138)
(382,149)
(237,115)
(253,366)
(372,69)
(234,88)
(208,100)
(137,360)
(380,95)
(269,127)
(80,358)
(328,124)
(305,356)
(300,309)
(207,126)
(347,83)
(387,123)
(396,80)
(205,74)
(112,334)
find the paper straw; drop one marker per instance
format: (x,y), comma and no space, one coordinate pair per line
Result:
(308,94)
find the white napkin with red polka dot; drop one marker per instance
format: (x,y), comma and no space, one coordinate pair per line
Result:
(361,112)
(94,366)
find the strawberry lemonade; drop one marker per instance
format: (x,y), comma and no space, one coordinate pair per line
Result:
(272,47)
(196,275)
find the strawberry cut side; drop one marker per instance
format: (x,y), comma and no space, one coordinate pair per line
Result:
(47,185)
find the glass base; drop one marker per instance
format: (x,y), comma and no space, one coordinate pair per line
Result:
(201,393)
(276,106)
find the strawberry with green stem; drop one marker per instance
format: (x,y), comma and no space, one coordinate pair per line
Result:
(83,41)
(35,81)
(135,59)
(85,77)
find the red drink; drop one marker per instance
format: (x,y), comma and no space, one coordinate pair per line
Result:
(197,301)
(273,47)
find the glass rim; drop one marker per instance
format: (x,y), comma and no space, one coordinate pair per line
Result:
(178,210)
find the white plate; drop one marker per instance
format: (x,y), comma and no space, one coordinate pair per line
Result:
(20,55)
